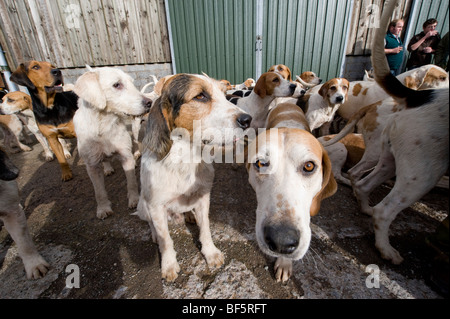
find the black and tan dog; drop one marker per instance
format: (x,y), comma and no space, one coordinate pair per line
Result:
(52,108)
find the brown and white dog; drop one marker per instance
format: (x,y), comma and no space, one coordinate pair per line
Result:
(418,158)
(321,103)
(291,174)
(269,86)
(345,154)
(107,98)
(363,93)
(19,103)
(13,217)
(53,109)
(172,181)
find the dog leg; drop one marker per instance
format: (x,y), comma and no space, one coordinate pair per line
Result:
(129,164)
(59,153)
(65,145)
(95,173)
(283,269)
(16,225)
(384,170)
(214,256)
(169,264)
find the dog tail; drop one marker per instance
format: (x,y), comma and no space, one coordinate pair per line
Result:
(305,84)
(350,126)
(383,76)
(155,80)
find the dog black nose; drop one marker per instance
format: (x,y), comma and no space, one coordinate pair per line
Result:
(281,238)
(339,98)
(244,120)
(292,87)
(56,72)
(147,103)
(302,92)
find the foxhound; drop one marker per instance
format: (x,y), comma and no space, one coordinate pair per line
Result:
(269,86)
(321,103)
(19,103)
(107,98)
(291,174)
(180,124)
(13,217)
(53,109)
(363,93)
(417,158)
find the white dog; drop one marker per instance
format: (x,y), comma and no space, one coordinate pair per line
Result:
(107,97)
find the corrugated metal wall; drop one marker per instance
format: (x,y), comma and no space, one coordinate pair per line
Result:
(218,37)
(214,36)
(306,35)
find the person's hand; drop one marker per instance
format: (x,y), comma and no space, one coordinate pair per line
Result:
(428,50)
(397,50)
(431,33)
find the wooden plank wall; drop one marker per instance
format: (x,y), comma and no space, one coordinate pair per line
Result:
(73,33)
(366,14)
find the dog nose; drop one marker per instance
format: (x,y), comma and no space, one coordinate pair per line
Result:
(281,238)
(244,120)
(147,103)
(292,87)
(56,72)
(339,98)
(302,92)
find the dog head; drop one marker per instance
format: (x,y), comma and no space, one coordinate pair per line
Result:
(283,70)
(111,90)
(186,98)
(273,84)
(8,171)
(310,77)
(39,76)
(249,83)
(427,77)
(226,84)
(335,91)
(290,172)
(15,102)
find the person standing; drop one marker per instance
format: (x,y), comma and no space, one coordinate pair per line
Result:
(393,47)
(423,45)
(442,53)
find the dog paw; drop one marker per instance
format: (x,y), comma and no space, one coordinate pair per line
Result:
(66,177)
(283,269)
(49,157)
(103,213)
(215,258)
(36,267)
(67,155)
(26,148)
(391,254)
(170,270)
(133,201)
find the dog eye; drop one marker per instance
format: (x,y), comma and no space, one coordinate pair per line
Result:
(118,85)
(36,67)
(442,78)
(259,164)
(201,97)
(308,167)
(333,88)
(10,100)
(276,80)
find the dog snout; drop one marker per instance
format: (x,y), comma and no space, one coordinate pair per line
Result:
(339,98)
(56,72)
(244,121)
(292,87)
(147,103)
(281,238)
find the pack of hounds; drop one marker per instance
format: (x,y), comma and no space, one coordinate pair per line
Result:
(290,174)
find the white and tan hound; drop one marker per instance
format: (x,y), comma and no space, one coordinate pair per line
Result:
(291,174)
(173,183)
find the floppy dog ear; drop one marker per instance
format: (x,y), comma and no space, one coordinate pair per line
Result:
(20,77)
(157,135)
(329,185)
(260,87)
(88,88)
(323,90)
